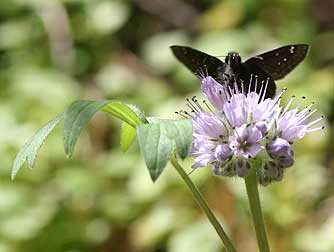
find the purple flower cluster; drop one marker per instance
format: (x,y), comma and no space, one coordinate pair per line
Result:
(243,127)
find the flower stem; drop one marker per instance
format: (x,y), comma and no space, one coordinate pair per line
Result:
(255,206)
(204,205)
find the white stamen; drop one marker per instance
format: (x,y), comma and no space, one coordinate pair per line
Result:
(231,91)
(207,105)
(261,89)
(265,90)
(242,87)
(180,114)
(277,98)
(307,115)
(250,83)
(299,104)
(314,122)
(227,95)
(315,129)
(305,110)
(198,105)
(288,105)
(255,83)
(236,88)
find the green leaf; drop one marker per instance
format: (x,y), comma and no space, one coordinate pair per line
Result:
(30,150)
(80,112)
(129,134)
(158,140)
(138,112)
(125,113)
(181,132)
(76,117)
(132,116)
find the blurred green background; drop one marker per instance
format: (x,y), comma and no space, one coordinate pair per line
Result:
(54,52)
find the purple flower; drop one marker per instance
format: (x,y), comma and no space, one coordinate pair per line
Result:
(208,129)
(245,141)
(262,127)
(235,110)
(240,125)
(208,125)
(294,124)
(214,91)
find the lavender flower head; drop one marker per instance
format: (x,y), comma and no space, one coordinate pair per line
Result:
(242,126)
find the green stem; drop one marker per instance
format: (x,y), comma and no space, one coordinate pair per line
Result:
(255,206)
(204,205)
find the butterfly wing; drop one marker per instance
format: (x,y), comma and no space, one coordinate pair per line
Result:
(256,79)
(281,61)
(200,63)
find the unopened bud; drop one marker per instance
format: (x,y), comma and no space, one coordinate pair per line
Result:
(243,167)
(280,148)
(223,152)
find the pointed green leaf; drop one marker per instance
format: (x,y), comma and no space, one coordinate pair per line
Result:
(129,134)
(181,132)
(158,140)
(80,112)
(30,150)
(155,147)
(76,117)
(138,112)
(124,112)
(132,116)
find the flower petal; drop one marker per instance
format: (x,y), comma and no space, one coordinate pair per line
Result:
(214,91)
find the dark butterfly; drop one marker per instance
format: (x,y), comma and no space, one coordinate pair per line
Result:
(263,68)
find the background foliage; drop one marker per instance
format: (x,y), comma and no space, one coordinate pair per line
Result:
(54,52)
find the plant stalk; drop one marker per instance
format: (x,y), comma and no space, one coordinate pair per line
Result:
(204,205)
(255,206)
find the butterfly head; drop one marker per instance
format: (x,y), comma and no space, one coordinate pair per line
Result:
(233,59)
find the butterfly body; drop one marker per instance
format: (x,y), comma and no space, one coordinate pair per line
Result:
(259,70)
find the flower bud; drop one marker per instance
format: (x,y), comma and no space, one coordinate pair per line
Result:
(280,148)
(223,152)
(242,167)
(286,161)
(271,169)
(224,169)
